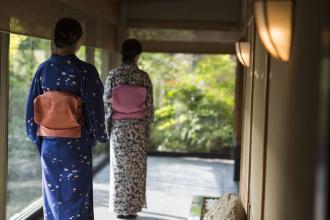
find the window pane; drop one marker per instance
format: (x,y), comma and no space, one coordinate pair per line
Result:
(24,172)
(194,101)
(98,60)
(102,62)
(81,54)
(101,149)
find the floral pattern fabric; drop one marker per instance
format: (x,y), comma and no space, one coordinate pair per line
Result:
(128,144)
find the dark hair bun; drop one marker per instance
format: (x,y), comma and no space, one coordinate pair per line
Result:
(130,49)
(67,32)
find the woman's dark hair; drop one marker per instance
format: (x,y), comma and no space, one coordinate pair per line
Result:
(130,49)
(67,32)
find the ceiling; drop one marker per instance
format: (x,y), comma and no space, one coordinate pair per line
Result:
(213,25)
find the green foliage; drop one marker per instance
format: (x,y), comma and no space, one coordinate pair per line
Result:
(81,54)
(194,100)
(25,54)
(98,60)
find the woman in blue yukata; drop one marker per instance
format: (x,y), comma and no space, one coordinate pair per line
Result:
(129,111)
(65,118)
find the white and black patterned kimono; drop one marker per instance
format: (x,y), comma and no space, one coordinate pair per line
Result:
(128,139)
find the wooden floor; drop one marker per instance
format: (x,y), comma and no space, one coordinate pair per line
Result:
(171,184)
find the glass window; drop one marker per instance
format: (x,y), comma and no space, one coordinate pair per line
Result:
(81,54)
(194,101)
(102,62)
(100,150)
(24,171)
(98,60)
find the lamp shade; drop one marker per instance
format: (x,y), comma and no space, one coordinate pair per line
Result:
(243,52)
(274,20)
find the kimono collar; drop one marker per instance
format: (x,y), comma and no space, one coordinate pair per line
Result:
(66,59)
(130,65)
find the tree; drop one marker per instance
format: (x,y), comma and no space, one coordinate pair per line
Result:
(194,99)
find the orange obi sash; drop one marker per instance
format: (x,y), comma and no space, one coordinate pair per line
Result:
(58,114)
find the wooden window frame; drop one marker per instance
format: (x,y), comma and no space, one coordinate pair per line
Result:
(4,91)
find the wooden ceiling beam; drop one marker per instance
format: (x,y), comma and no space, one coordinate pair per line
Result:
(149,1)
(195,14)
(107,10)
(180,24)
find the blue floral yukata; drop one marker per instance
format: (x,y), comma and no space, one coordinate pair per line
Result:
(67,162)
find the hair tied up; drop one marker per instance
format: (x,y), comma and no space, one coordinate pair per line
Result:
(67,32)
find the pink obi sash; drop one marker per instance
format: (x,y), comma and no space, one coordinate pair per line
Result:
(58,114)
(128,102)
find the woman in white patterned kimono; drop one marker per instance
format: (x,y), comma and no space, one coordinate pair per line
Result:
(129,112)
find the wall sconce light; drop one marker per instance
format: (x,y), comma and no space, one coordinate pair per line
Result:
(274,20)
(243,52)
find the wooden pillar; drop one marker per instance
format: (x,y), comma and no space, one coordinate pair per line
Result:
(122,34)
(52,47)
(113,59)
(90,54)
(239,85)
(4,91)
(108,63)
(322,178)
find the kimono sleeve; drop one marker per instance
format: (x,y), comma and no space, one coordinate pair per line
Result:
(107,102)
(31,126)
(92,96)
